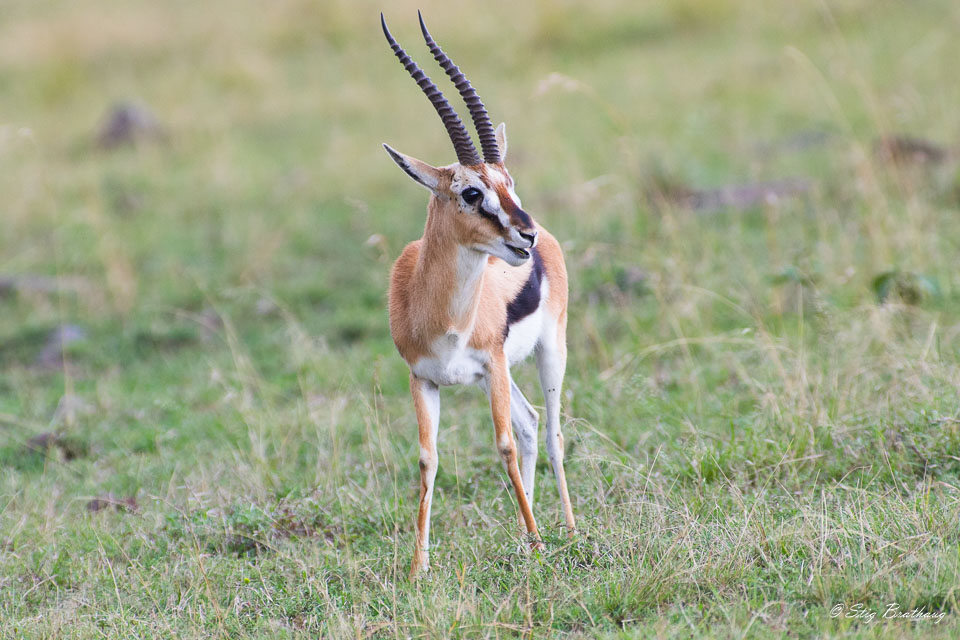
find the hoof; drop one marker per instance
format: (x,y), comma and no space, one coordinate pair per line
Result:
(420,567)
(419,572)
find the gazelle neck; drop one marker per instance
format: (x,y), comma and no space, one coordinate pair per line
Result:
(449,275)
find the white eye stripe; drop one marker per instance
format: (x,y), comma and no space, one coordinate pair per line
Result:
(513,194)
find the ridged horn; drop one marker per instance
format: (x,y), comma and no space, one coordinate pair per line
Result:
(462,144)
(488,139)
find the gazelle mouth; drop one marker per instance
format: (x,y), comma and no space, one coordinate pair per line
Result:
(523,253)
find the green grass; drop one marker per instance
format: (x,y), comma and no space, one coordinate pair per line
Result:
(753,437)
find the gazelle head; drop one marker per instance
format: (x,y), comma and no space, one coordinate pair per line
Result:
(477,204)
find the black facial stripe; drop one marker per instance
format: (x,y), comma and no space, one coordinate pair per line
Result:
(522,216)
(490,216)
(528,299)
(517,216)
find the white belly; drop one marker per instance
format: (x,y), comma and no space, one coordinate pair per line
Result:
(451,362)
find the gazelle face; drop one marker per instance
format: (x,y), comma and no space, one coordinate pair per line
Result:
(487,213)
(478,207)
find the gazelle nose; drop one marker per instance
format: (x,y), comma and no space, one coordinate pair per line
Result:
(529,237)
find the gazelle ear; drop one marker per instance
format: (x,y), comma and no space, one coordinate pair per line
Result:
(501,134)
(419,170)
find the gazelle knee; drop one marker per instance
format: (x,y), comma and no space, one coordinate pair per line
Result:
(507,451)
(428,462)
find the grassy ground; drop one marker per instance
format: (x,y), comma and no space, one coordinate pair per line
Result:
(762,398)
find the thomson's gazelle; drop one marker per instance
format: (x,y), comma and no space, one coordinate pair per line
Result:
(482,289)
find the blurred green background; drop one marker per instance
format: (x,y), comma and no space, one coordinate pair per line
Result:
(205,429)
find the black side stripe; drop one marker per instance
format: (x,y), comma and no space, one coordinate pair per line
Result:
(528,299)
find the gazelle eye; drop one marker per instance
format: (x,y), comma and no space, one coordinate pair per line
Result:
(471,195)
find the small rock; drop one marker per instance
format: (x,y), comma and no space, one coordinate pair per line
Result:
(52,354)
(10,285)
(375,240)
(100,503)
(265,307)
(128,124)
(378,243)
(632,278)
(908,150)
(797,142)
(211,324)
(905,287)
(738,197)
(44,442)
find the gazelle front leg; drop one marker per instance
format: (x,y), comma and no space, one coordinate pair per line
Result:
(506,446)
(524,418)
(426,402)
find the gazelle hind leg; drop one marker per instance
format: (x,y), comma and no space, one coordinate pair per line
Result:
(525,425)
(552,363)
(426,401)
